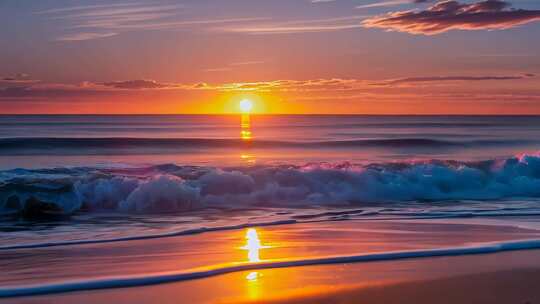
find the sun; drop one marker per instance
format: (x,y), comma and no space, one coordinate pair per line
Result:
(246,106)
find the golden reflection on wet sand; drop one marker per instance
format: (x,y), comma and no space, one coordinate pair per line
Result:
(338,283)
(253,246)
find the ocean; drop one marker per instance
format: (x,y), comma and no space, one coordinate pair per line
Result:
(134,166)
(68,180)
(46,141)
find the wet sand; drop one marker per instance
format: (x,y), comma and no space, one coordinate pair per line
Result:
(298,241)
(510,277)
(516,286)
(507,277)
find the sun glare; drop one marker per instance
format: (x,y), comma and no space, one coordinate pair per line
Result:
(253,245)
(246,106)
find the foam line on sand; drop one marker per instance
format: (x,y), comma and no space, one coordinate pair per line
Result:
(152,279)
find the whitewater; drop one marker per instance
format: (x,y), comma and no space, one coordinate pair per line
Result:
(172,188)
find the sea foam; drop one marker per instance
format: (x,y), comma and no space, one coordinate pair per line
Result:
(182,188)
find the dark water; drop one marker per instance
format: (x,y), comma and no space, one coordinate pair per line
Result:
(58,141)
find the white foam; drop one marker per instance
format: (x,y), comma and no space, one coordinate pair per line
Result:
(152,279)
(173,188)
(162,193)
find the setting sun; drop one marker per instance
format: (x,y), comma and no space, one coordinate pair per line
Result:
(246,106)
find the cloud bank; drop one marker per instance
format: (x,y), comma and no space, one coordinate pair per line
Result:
(17,88)
(136,84)
(412,80)
(453,15)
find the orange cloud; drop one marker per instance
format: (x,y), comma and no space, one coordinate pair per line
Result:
(335,95)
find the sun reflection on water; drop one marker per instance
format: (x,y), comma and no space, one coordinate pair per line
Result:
(253,245)
(246,136)
(249,159)
(252,276)
(245,128)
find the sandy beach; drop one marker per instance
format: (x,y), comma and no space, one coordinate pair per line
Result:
(498,278)
(384,277)
(515,286)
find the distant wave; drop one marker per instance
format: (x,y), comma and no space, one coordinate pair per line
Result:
(11,146)
(393,124)
(171,188)
(333,123)
(160,278)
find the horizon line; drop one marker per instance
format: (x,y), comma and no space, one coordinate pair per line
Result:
(252,114)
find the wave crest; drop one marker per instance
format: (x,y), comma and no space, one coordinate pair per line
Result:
(182,188)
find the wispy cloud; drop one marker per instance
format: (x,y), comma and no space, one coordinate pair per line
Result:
(385,3)
(84,36)
(107,20)
(89,22)
(83,8)
(247,63)
(120,96)
(380,3)
(12,89)
(213,70)
(137,84)
(19,78)
(340,84)
(293,29)
(453,15)
(233,65)
(434,79)
(300,26)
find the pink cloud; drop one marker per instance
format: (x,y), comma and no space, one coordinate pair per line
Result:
(453,15)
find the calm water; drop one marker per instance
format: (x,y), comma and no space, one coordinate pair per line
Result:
(59,141)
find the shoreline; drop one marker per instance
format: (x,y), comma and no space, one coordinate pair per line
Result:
(509,277)
(212,270)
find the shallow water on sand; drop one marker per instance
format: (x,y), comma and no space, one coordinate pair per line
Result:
(214,250)
(486,279)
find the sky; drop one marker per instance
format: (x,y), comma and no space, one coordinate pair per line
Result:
(287,56)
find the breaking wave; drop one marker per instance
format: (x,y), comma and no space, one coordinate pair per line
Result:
(175,188)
